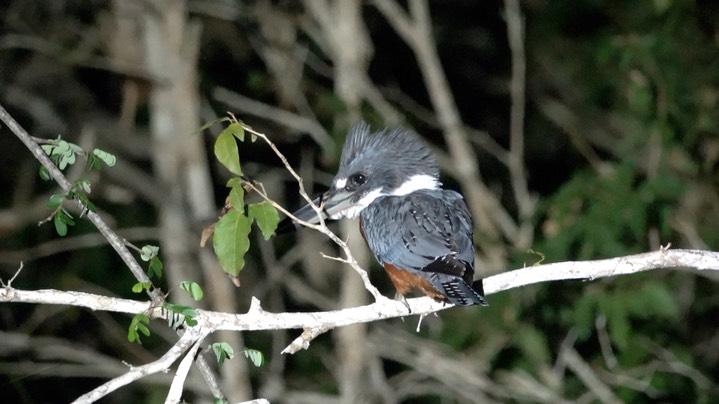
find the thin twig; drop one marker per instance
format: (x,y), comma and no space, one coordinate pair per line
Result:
(321,227)
(9,283)
(281,116)
(72,243)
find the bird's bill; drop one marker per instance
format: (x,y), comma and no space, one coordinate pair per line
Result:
(332,203)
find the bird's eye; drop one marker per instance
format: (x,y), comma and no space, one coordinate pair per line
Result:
(358,179)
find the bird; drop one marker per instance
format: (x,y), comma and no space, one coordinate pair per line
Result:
(420,233)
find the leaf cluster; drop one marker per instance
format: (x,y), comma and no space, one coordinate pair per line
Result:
(64,154)
(230,234)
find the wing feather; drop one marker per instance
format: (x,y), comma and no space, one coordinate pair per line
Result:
(429,234)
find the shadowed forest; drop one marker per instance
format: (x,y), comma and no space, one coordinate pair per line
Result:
(576,130)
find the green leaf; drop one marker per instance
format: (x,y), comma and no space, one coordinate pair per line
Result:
(190,321)
(175,320)
(87,204)
(65,217)
(43,173)
(55,201)
(80,196)
(231,241)
(148,252)
(266,217)
(140,286)
(67,159)
(255,356)
(188,314)
(193,289)
(62,147)
(138,323)
(181,309)
(222,351)
(237,198)
(234,182)
(93,163)
(60,225)
(155,268)
(48,149)
(237,131)
(75,148)
(107,158)
(227,153)
(83,185)
(175,308)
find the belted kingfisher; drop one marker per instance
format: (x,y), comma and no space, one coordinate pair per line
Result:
(419,232)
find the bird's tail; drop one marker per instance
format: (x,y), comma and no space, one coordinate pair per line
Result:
(461,293)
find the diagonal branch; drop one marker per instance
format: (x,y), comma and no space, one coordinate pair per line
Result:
(281,116)
(190,337)
(174,395)
(115,241)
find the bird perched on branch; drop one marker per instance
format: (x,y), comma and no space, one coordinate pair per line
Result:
(419,232)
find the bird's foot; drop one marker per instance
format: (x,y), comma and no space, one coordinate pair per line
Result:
(403,300)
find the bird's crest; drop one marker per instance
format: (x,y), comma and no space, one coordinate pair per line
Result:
(386,147)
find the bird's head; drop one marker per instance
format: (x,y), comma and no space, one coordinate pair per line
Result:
(389,162)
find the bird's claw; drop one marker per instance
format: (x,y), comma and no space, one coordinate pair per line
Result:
(403,300)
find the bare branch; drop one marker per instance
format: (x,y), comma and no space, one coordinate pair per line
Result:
(115,241)
(303,341)
(605,344)
(174,395)
(590,270)
(525,201)
(190,337)
(72,243)
(258,319)
(283,117)
(464,376)
(416,31)
(585,373)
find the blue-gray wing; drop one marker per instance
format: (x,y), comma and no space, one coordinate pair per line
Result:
(429,234)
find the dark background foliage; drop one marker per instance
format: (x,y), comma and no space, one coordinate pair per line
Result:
(621,150)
